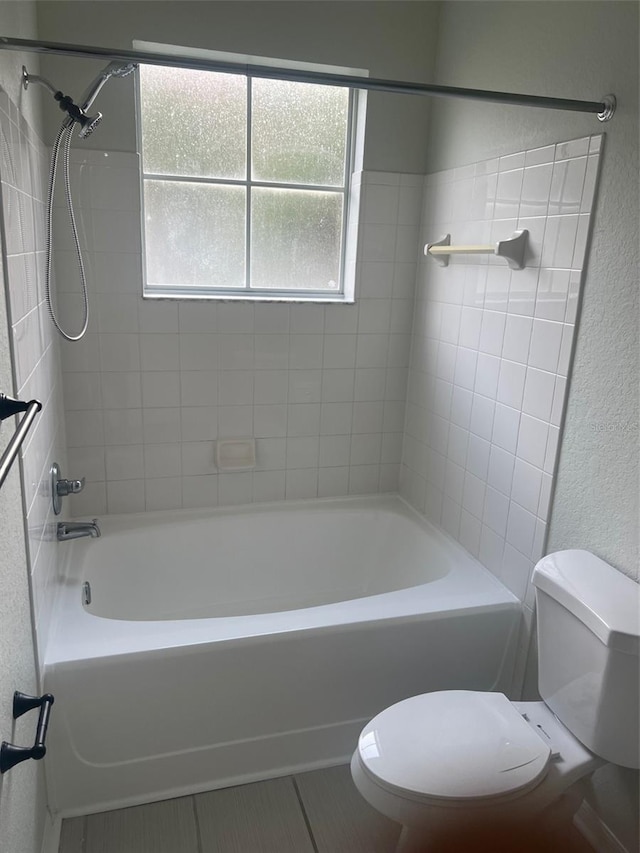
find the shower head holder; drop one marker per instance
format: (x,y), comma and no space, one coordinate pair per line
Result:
(67,105)
(76,114)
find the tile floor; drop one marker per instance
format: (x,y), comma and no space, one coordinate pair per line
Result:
(317,812)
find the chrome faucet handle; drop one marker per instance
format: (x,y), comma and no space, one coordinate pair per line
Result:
(69,487)
(60,487)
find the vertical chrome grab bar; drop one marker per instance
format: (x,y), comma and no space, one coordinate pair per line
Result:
(32,408)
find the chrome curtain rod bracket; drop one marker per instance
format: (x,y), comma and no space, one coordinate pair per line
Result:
(609,104)
(604,108)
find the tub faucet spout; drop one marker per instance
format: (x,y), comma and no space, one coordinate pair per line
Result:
(77,529)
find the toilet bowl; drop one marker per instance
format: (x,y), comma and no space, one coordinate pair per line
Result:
(442,759)
(436,759)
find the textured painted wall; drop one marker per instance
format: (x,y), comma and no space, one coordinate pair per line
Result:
(576,50)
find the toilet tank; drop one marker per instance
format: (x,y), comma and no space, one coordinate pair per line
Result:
(588,619)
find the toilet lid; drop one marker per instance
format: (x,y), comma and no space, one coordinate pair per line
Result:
(454,744)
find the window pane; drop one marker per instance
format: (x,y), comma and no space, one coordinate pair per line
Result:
(299,132)
(193,122)
(195,234)
(295,239)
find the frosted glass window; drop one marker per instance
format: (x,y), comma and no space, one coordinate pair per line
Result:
(295,239)
(193,122)
(245,184)
(195,234)
(299,132)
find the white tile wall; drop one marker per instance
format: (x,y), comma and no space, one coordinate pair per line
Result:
(491,351)
(321,388)
(23,164)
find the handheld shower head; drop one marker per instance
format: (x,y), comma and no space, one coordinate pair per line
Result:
(113,69)
(89,124)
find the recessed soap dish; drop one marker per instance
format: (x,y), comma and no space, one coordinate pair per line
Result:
(236,454)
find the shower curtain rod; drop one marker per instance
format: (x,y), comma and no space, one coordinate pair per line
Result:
(603,108)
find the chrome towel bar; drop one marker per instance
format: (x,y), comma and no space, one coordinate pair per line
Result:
(9,407)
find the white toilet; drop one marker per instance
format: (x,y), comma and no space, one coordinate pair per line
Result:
(437,759)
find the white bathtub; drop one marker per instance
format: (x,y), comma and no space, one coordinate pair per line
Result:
(234,645)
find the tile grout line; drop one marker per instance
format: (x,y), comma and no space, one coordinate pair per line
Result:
(197,823)
(304,814)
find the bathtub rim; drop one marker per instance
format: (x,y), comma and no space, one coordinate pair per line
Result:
(78,635)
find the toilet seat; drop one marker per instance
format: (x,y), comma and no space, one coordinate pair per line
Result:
(450,747)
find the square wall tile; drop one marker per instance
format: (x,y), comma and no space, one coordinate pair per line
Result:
(199,491)
(546,340)
(566,187)
(532,440)
(124,496)
(198,458)
(198,423)
(536,185)
(124,462)
(333,482)
(521,529)
(364,479)
(122,390)
(269,486)
(162,493)
(160,388)
(511,384)
(538,393)
(527,486)
(500,473)
(517,335)
(515,571)
(301,483)
(235,489)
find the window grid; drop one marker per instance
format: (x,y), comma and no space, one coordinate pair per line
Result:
(178,291)
(247,224)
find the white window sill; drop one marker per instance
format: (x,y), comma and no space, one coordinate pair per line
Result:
(210,297)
